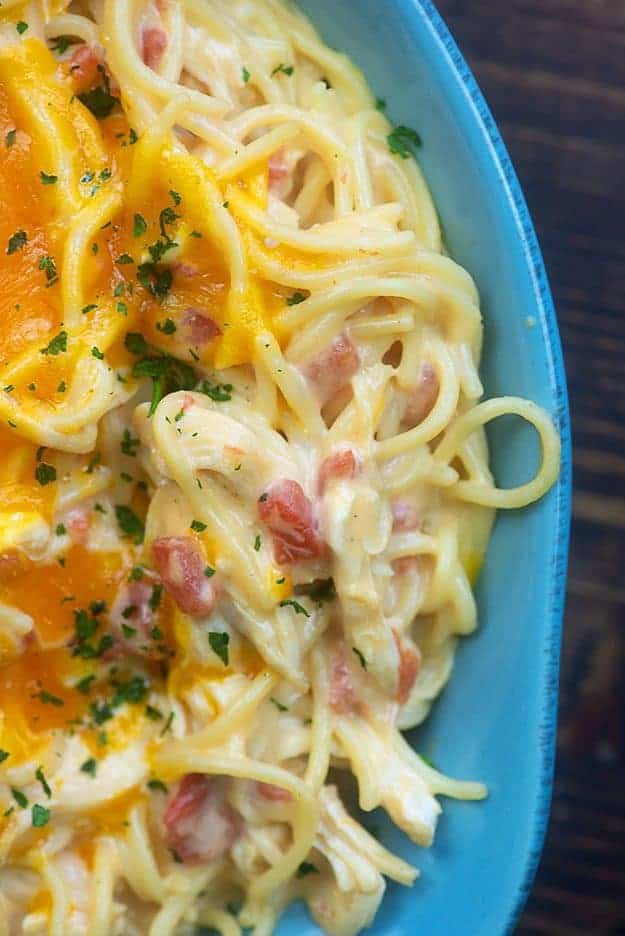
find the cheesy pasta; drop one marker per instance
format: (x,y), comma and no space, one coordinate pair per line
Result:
(245,488)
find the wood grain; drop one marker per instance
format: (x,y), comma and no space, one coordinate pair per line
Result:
(553,72)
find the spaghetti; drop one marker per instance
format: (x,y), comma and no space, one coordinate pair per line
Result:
(245,485)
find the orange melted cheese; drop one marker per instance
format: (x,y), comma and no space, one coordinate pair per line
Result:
(29,309)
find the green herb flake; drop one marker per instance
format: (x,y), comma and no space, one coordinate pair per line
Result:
(297,607)
(3,755)
(245,75)
(306,868)
(48,699)
(219,645)
(157,785)
(90,766)
(57,345)
(9,138)
(16,242)
(136,573)
(49,266)
(20,798)
(152,713)
(129,444)
(89,308)
(95,351)
(21,27)
(209,571)
(279,705)
(218,393)
(296,298)
(361,658)
(167,327)
(140,226)
(48,179)
(39,775)
(197,526)
(403,141)
(84,685)
(40,816)
(45,474)
(282,69)
(257,543)
(124,260)
(155,600)
(129,523)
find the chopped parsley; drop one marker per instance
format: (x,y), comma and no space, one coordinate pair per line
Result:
(257,543)
(16,242)
(9,139)
(48,699)
(63,43)
(60,529)
(361,658)
(197,526)
(48,179)
(129,523)
(219,645)
(168,723)
(21,27)
(84,685)
(380,104)
(155,600)
(140,225)
(57,345)
(279,705)
(135,343)
(167,217)
(403,141)
(296,298)
(39,775)
(99,100)
(156,784)
(45,474)
(40,816)
(124,260)
(167,327)
(297,607)
(245,75)
(95,351)
(20,798)
(282,69)
(89,308)
(320,590)
(156,281)
(218,393)
(90,766)
(136,573)
(3,755)
(167,374)
(306,868)
(48,264)
(62,387)
(153,713)
(209,571)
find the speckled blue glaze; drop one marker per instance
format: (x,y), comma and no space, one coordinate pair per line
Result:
(496,720)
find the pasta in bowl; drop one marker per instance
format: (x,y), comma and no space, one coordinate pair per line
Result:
(246,489)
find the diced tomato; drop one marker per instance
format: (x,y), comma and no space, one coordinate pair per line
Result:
(343,699)
(288,514)
(132,620)
(200,826)
(339,466)
(77,524)
(199,327)
(153,45)
(409,665)
(273,793)
(83,65)
(407,565)
(405,517)
(422,397)
(181,567)
(331,369)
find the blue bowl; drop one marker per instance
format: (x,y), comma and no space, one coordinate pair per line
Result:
(496,719)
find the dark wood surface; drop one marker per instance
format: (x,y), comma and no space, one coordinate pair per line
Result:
(553,72)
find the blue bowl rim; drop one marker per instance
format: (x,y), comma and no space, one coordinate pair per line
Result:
(485,122)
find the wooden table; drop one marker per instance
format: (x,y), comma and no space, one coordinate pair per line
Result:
(553,72)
